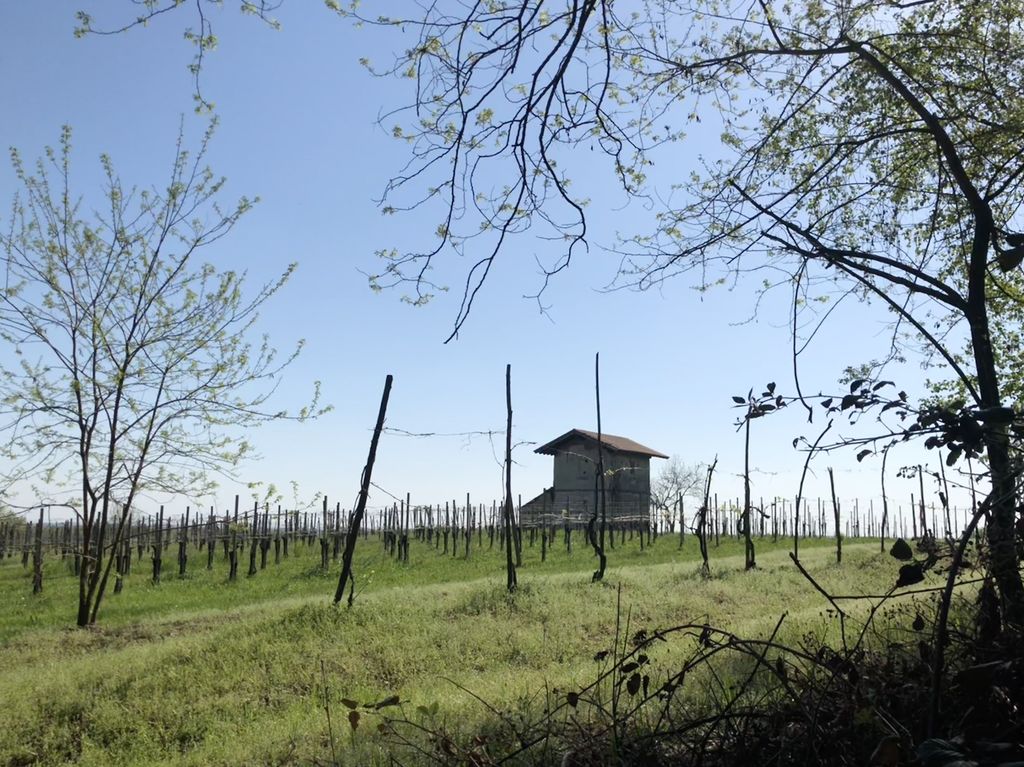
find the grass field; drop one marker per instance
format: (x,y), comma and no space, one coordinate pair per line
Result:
(198,671)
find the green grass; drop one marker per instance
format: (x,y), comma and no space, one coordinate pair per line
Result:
(199,671)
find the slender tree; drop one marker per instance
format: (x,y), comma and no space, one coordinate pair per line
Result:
(135,368)
(754,407)
(674,481)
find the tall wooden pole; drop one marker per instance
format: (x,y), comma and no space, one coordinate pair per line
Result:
(364,494)
(510,567)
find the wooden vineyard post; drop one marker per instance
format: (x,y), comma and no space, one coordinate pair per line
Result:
(403,523)
(518,531)
(492,525)
(287,532)
(397,515)
(336,537)
(264,536)
(126,554)
(158,547)
(211,539)
(346,577)
(835,514)
(124,557)
(682,519)
(455,528)
(37,555)
(397,527)
(600,508)
(447,527)
(25,547)
(468,526)
(717,523)
(77,552)
(324,543)
(233,546)
(254,533)
(225,545)
(277,538)
(510,567)
(183,545)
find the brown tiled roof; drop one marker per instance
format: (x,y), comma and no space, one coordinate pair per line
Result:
(610,441)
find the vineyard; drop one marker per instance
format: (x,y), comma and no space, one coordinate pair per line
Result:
(256,537)
(431,662)
(202,670)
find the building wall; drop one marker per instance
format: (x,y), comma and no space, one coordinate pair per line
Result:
(627,486)
(575,468)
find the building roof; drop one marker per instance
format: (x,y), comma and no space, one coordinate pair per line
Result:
(610,441)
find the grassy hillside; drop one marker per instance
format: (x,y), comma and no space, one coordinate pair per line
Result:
(198,671)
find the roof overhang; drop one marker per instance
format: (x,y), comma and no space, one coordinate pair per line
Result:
(608,441)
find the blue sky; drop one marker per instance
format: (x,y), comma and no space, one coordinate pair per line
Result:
(298,127)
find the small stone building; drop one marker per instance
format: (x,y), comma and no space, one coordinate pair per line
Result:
(575,490)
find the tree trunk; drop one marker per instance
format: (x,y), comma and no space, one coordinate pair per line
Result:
(1005,563)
